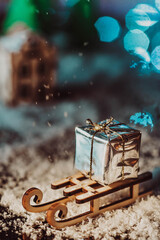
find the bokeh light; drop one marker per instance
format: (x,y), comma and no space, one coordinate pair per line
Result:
(157,3)
(142,54)
(155,41)
(108,28)
(144,119)
(137,19)
(61,40)
(152,12)
(62,17)
(70,3)
(134,39)
(69,68)
(81,68)
(155,57)
(142,17)
(107,64)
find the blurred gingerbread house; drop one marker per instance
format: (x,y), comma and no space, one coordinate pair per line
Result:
(27,60)
(28,67)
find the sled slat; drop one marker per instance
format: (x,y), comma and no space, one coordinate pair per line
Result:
(65,181)
(81,186)
(102,191)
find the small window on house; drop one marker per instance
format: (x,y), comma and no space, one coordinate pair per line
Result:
(41,69)
(25,92)
(24,71)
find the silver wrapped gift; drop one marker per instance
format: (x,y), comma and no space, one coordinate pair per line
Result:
(112,158)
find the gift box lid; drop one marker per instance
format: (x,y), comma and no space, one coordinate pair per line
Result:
(122,129)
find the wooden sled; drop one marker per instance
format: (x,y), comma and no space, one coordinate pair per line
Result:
(82,189)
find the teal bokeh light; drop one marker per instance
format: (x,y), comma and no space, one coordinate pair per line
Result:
(137,19)
(71,3)
(141,17)
(142,54)
(135,39)
(157,3)
(108,28)
(155,58)
(152,12)
(155,41)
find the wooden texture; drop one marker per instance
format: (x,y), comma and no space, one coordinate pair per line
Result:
(38,195)
(82,189)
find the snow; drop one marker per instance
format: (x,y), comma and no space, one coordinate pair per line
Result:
(38,161)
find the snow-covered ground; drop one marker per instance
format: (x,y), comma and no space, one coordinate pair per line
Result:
(37,148)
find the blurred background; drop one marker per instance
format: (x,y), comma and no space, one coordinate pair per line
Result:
(63,61)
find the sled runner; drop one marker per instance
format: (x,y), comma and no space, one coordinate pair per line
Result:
(82,189)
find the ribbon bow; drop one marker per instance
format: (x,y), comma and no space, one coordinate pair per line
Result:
(103,127)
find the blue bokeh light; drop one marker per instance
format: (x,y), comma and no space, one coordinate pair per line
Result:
(142,17)
(81,68)
(108,28)
(69,68)
(144,119)
(107,64)
(142,54)
(136,39)
(70,3)
(155,57)
(137,19)
(152,12)
(157,3)
(61,40)
(155,41)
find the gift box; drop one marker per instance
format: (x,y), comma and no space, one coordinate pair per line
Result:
(109,149)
